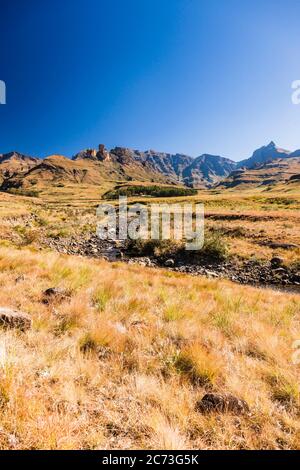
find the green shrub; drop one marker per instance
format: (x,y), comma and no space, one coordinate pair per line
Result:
(214,248)
(158,248)
(153,191)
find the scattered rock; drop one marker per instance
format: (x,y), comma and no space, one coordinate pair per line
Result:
(169,263)
(211,273)
(141,261)
(276,261)
(252,271)
(279,271)
(14,319)
(54,293)
(221,403)
(284,246)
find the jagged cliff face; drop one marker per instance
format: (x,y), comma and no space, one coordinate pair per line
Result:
(177,168)
(207,170)
(171,165)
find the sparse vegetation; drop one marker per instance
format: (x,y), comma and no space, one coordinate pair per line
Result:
(157,248)
(214,248)
(123,360)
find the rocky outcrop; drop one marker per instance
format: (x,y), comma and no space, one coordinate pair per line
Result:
(102,153)
(14,319)
(171,165)
(90,154)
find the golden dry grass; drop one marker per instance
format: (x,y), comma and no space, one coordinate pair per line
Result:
(122,361)
(248,221)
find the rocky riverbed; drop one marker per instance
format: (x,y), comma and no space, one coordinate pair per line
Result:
(263,273)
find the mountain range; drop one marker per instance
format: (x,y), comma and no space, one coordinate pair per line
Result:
(265,175)
(93,166)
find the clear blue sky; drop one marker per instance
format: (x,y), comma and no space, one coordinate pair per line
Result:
(189,76)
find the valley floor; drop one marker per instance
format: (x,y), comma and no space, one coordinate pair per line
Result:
(120,356)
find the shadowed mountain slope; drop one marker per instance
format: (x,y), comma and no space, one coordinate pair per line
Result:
(266,175)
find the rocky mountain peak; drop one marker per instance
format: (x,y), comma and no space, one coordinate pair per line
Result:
(16,156)
(264,154)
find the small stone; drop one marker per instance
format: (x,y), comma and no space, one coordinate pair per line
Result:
(276,261)
(211,273)
(279,271)
(169,263)
(221,403)
(144,261)
(14,319)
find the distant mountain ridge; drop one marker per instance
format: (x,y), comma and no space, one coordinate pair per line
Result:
(266,176)
(264,154)
(177,168)
(93,166)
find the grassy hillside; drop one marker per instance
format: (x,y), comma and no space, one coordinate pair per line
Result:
(57,170)
(123,358)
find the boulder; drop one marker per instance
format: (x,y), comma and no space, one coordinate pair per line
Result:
(14,319)
(226,403)
(54,293)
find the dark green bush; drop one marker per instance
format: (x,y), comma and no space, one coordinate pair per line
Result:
(158,248)
(153,191)
(214,249)
(23,192)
